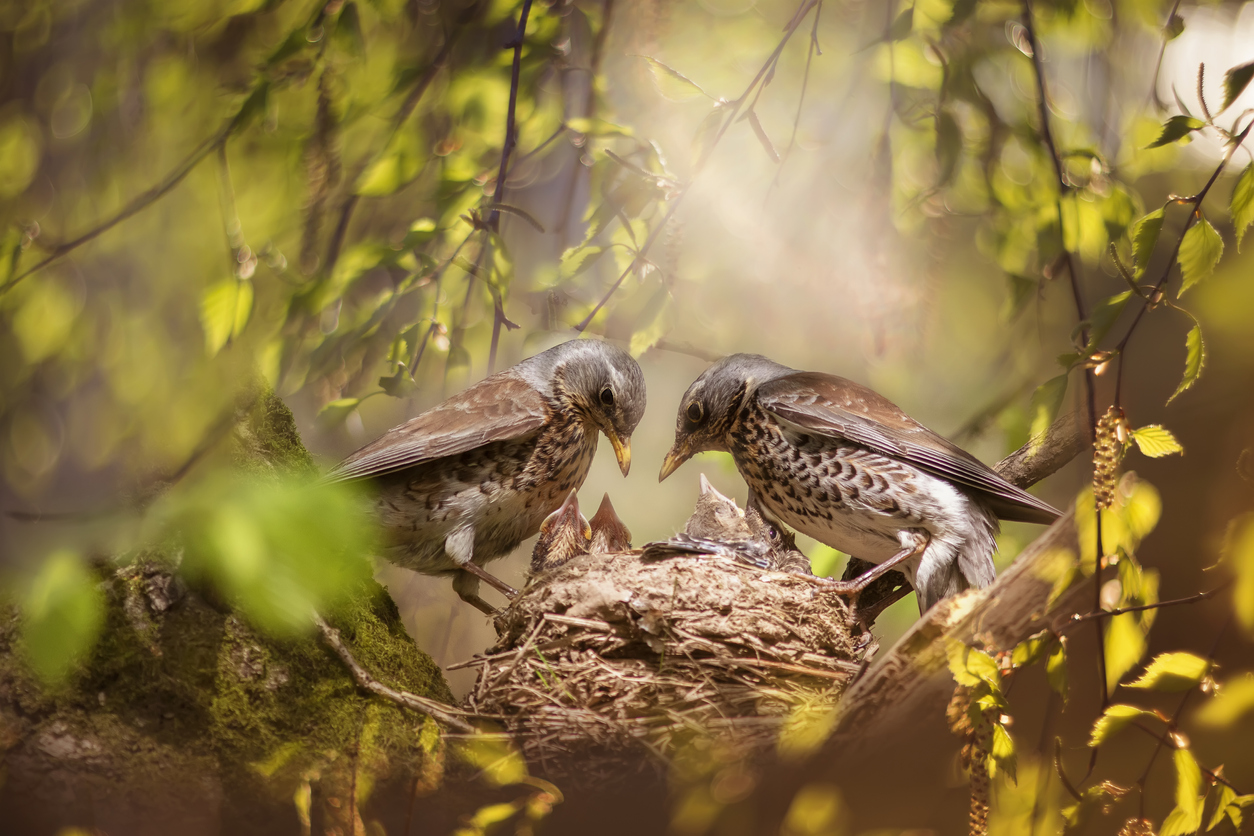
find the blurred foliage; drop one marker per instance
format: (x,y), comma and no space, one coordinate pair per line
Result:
(203,196)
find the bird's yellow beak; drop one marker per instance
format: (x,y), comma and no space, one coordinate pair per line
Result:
(622,450)
(677,456)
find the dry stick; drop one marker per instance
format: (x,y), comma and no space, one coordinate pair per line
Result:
(639,258)
(589,107)
(801,99)
(1090,395)
(446,714)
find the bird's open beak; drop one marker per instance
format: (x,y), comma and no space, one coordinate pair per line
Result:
(677,456)
(622,450)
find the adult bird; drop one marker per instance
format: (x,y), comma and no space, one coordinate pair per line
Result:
(468,480)
(844,465)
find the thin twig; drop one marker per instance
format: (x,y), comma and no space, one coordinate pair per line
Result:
(1047,137)
(1158,65)
(734,112)
(445,714)
(1175,719)
(1150,300)
(801,100)
(511,130)
(1190,599)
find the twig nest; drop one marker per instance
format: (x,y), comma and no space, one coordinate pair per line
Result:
(610,655)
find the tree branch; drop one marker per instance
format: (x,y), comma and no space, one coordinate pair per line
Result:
(446,714)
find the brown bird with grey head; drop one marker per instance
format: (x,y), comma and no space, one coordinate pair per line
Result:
(844,465)
(467,481)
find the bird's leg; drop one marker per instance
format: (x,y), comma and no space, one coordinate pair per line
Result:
(913,544)
(460,545)
(466,586)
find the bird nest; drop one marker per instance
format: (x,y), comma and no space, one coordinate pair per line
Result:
(611,657)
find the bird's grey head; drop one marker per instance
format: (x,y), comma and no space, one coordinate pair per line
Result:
(709,407)
(603,383)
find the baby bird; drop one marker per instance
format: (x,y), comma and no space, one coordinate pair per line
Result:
(609,533)
(564,534)
(717,526)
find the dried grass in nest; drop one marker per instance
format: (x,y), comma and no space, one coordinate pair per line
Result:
(612,657)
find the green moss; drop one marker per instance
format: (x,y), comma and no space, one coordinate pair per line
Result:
(193,690)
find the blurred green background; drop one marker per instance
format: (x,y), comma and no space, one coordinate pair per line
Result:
(300,195)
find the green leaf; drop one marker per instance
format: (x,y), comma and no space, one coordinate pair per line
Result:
(948,146)
(596,126)
(900,30)
(673,84)
(224,310)
(1174,28)
(1226,795)
(1145,236)
(1176,128)
(1156,441)
(970,667)
(397,166)
(1177,671)
(962,10)
(61,616)
(1200,251)
(1195,359)
(1105,315)
(1002,754)
(1046,401)
(1243,203)
(1125,645)
(1235,81)
(1022,289)
(1032,649)
(1238,552)
(1232,701)
(347,34)
(1187,816)
(1056,670)
(1113,720)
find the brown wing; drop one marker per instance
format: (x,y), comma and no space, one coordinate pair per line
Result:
(496,408)
(840,408)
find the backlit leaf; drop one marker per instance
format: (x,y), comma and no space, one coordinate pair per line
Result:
(970,667)
(1125,646)
(673,84)
(1235,82)
(1145,236)
(1114,719)
(1200,251)
(1187,815)
(1233,700)
(1176,128)
(760,133)
(224,310)
(1243,203)
(61,616)
(1156,441)
(1172,672)
(1002,754)
(1238,553)
(1056,670)
(1195,360)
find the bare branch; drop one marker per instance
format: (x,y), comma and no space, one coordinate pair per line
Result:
(446,714)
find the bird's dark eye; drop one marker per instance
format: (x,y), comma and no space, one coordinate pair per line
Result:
(607,396)
(695,412)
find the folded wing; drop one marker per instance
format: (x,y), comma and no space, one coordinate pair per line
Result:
(498,408)
(839,408)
